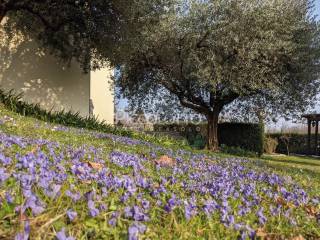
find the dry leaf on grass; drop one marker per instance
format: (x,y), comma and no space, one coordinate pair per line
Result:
(22,217)
(311,210)
(300,237)
(261,233)
(166,161)
(96,166)
(284,203)
(35,149)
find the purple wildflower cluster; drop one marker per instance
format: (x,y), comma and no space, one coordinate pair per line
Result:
(126,160)
(199,185)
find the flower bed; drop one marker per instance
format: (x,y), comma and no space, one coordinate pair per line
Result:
(115,188)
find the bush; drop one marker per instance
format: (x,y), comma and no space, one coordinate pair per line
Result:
(247,136)
(292,142)
(270,145)
(197,141)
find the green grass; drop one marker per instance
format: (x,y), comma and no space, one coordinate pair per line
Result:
(173,225)
(14,102)
(304,169)
(301,163)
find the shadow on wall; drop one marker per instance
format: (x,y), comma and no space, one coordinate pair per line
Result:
(25,68)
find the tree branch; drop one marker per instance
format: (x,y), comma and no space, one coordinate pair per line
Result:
(199,44)
(28,7)
(195,107)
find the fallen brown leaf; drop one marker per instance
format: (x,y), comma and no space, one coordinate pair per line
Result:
(281,201)
(22,217)
(166,161)
(284,203)
(300,237)
(156,185)
(96,166)
(200,232)
(35,149)
(261,233)
(311,210)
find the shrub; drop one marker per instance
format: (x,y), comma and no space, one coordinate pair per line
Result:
(270,145)
(291,142)
(197,141)
(248,136)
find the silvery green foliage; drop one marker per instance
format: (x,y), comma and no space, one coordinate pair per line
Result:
(210,53)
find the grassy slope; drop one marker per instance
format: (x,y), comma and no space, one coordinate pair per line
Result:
(162,225)
(306,170)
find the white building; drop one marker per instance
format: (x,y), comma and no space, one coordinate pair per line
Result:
(45,80)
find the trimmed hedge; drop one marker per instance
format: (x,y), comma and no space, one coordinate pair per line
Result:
(248,136)
(298,143)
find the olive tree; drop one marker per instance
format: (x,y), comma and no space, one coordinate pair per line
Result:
(209,54)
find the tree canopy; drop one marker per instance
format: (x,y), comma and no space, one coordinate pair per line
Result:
(210,53)
(78,29)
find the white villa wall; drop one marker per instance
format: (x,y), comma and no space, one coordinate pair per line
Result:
(44,80)
(102,95)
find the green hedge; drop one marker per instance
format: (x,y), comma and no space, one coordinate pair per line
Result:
(247,136)
(298,143)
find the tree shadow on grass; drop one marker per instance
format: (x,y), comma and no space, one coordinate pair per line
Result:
(302,172)
(293,162)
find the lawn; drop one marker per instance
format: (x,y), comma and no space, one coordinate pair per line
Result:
(66,183)
(301,163)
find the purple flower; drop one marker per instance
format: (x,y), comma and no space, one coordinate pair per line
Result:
(103,207)
(209,206)
(172,202)
(127,212)
(3,175)
(136,213)
(62,235)
(145,204)
(74,196)
(262,218)
(9,198)
(5,160)
(190,209)
(112,222)
(113,219)
(126,160)
(135,229)
(22,236)
(53,191)
(25,234)
(92,209)
(71,214)
(35,205)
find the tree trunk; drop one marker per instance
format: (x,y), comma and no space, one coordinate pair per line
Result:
(2,15)
(212,131)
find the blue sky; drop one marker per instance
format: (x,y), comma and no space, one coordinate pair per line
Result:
(317,5)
